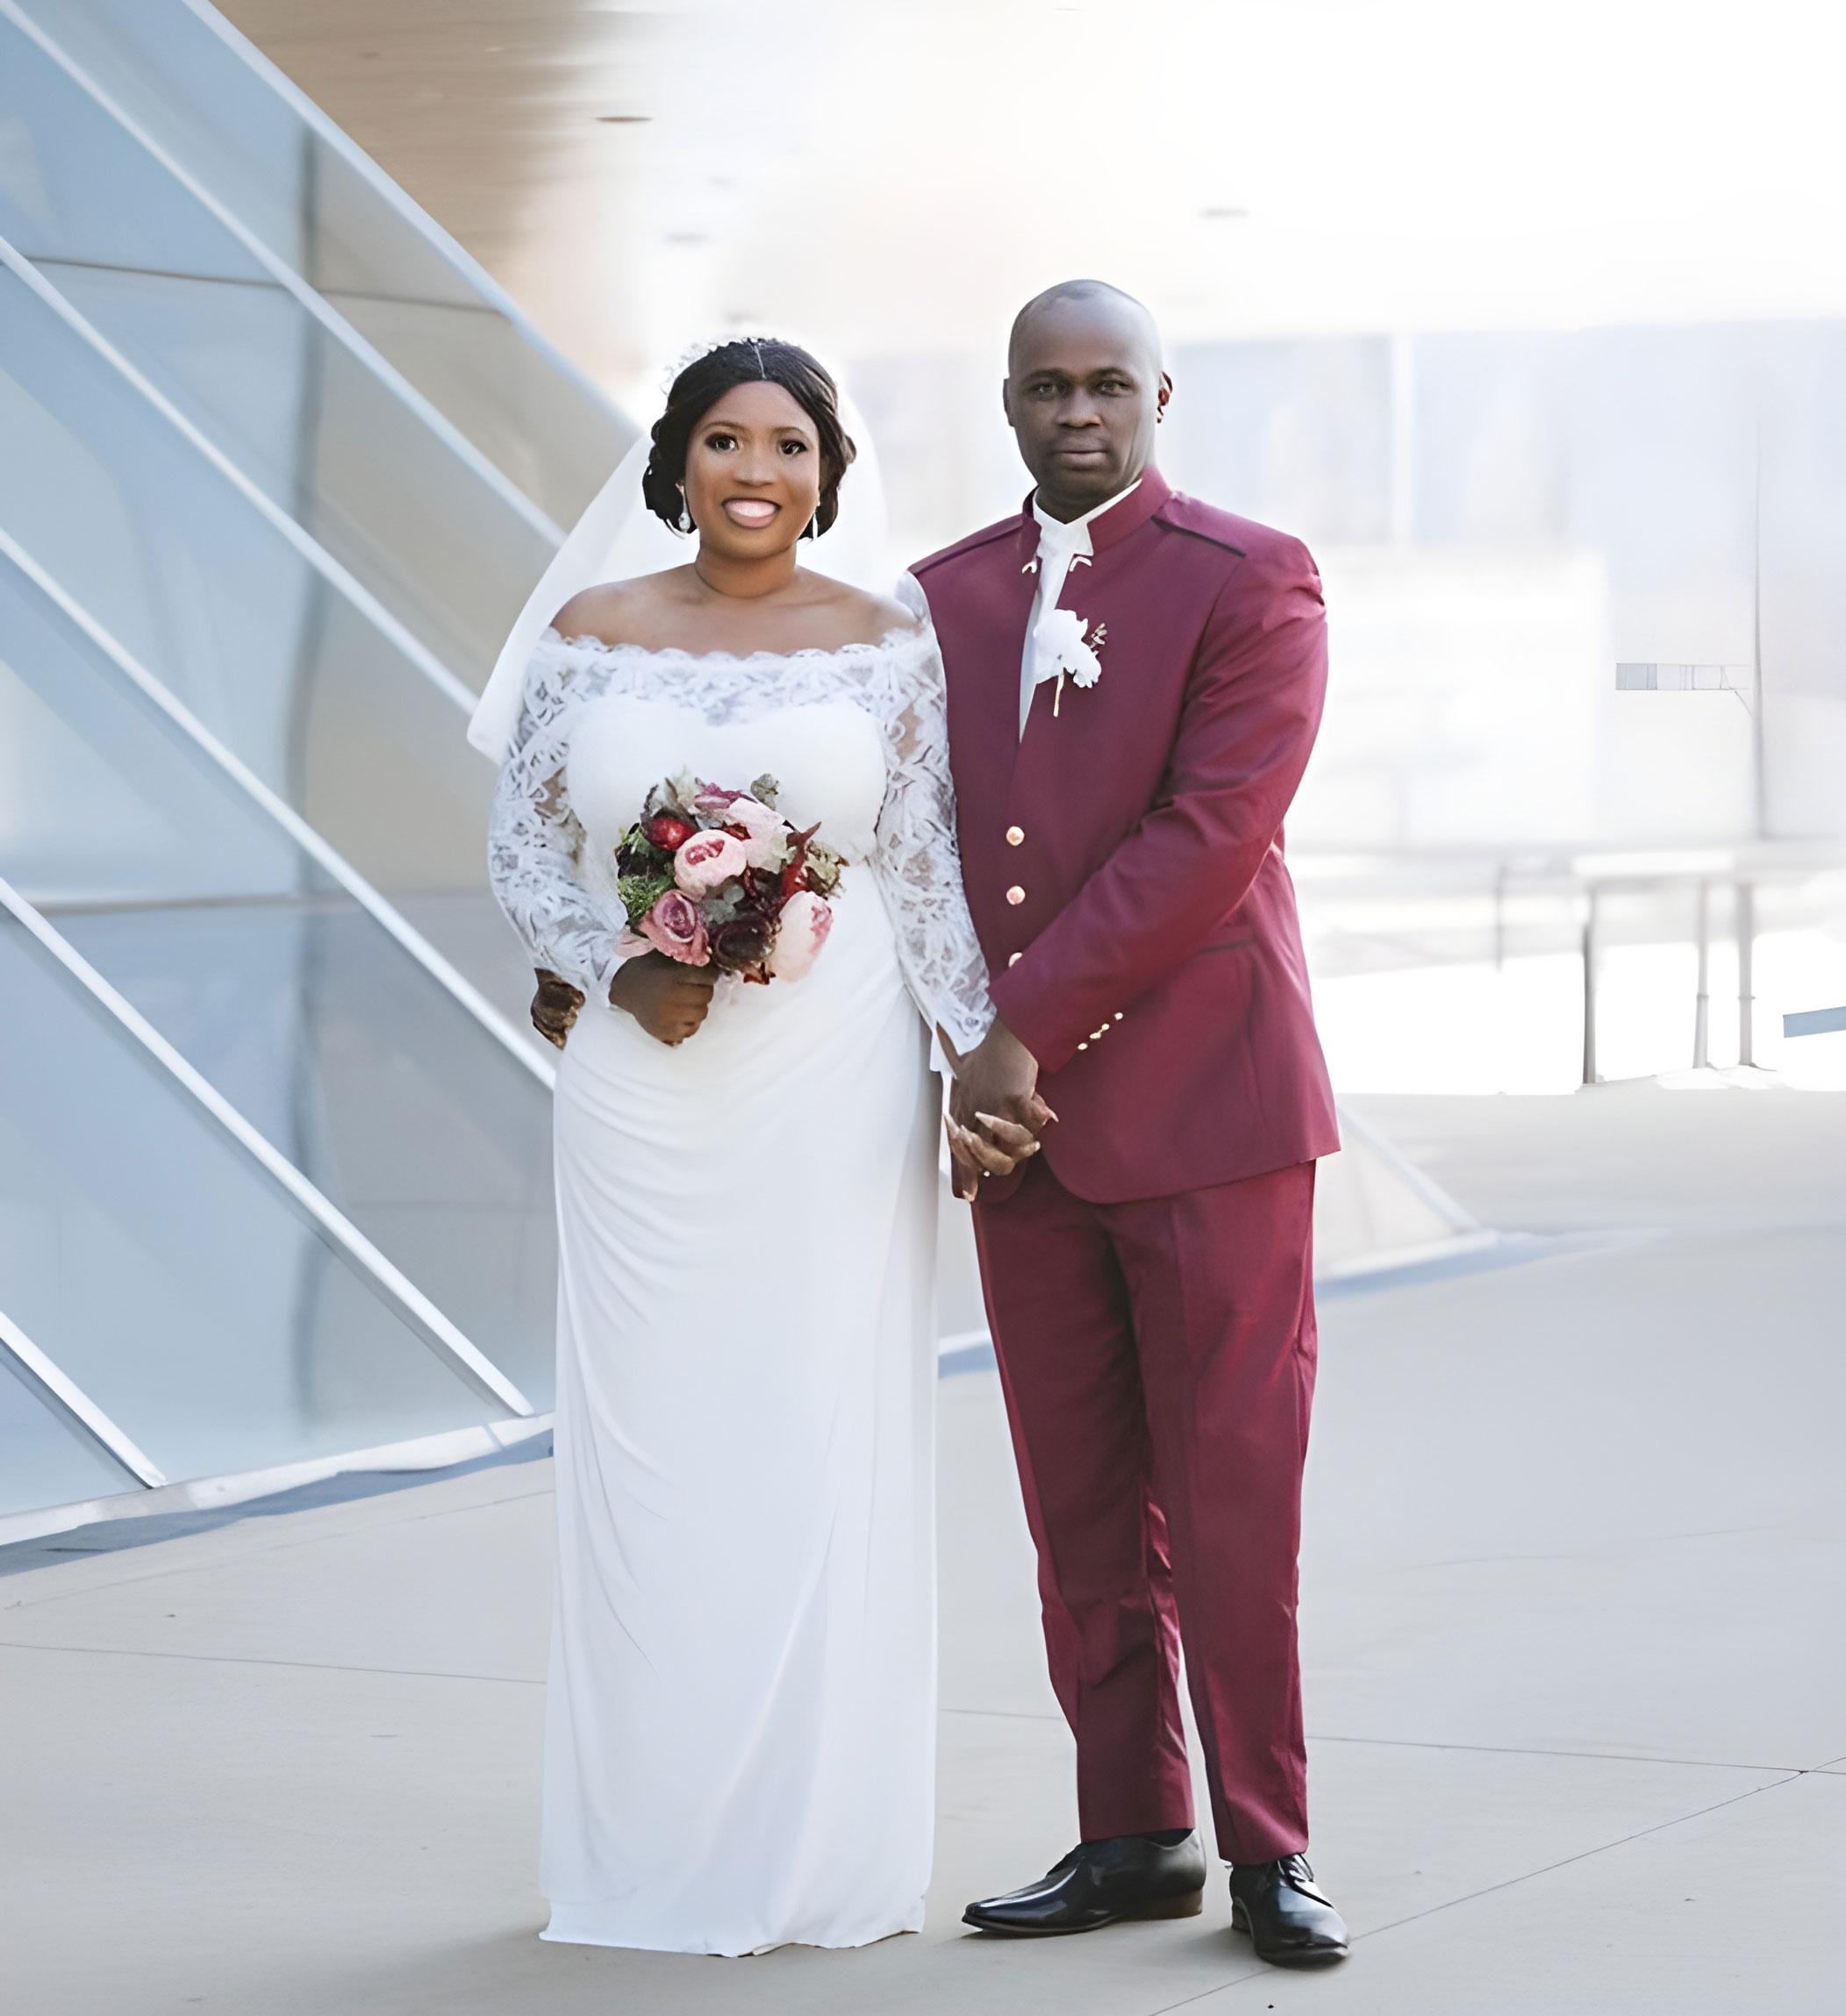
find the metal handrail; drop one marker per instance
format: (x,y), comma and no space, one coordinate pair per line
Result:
(387,1282)
(336,325)
(72,1405)
(280,812)
(1701,877)
(1591,874)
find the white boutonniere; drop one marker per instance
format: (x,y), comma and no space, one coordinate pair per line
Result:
(1065,651)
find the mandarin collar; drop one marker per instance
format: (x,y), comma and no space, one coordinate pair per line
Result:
(1128,512)
(1074,532)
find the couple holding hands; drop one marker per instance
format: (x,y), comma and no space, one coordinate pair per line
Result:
(1048,779)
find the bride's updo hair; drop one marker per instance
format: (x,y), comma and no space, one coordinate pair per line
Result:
(705,381)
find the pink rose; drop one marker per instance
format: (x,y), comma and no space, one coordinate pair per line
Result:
(805,921)
(763,845)
(706,859)
(675,926)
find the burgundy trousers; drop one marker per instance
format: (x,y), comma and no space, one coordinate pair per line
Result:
(1158,1364)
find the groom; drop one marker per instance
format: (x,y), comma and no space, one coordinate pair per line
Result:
(1134,682)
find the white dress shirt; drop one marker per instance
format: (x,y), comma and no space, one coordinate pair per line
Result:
(1060,546)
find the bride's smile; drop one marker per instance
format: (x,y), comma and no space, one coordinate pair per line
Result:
(752,483)
(747,480)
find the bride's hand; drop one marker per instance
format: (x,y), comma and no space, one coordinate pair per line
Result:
(668,999)
(993,1147)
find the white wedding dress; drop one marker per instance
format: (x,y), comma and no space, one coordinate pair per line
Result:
(740,1740)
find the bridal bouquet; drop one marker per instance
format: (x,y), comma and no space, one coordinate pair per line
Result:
(712,877)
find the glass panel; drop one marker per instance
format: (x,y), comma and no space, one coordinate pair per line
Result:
(276,985)
(205,95)
(551,434)
(216,603)
(448,549)
(167,1274)
(44,1461)
(72,181)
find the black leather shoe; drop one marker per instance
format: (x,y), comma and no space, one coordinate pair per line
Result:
(1129,1876)
(1291,1922)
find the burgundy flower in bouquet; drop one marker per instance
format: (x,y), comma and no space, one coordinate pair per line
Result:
(716,877)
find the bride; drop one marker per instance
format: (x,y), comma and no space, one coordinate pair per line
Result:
(739,1743)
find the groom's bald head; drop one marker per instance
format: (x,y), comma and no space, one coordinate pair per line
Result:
(1085,391)
(1091,301)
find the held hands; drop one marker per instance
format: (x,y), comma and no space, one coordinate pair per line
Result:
(995,1114)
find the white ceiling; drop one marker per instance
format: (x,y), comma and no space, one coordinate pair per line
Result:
(892,178)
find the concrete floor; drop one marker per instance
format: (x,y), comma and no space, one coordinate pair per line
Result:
(1576,1667)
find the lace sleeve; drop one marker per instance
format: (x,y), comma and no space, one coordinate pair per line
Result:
(919,864)
(533,840)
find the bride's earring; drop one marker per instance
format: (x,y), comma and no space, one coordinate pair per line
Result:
(685,516)
(814,527)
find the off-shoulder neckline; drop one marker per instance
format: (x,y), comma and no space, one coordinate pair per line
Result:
(897,638)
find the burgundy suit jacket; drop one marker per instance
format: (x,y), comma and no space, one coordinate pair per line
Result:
(1124,861)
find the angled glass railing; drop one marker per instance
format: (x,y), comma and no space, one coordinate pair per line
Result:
(56,1445)
(276,974)
(250,623)
(242,131)
(255,359)
(174,1268)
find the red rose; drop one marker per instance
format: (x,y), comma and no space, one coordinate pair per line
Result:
(669,833)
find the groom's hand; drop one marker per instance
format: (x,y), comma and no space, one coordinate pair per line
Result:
(998,1078)
(996,1114)
(555,1006)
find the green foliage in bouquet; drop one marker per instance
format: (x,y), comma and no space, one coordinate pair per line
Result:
(824,866)
(639,891)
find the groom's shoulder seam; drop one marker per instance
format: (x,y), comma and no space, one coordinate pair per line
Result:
(1236,535)
(986,536)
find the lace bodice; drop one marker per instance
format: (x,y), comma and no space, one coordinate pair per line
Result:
(547,883)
